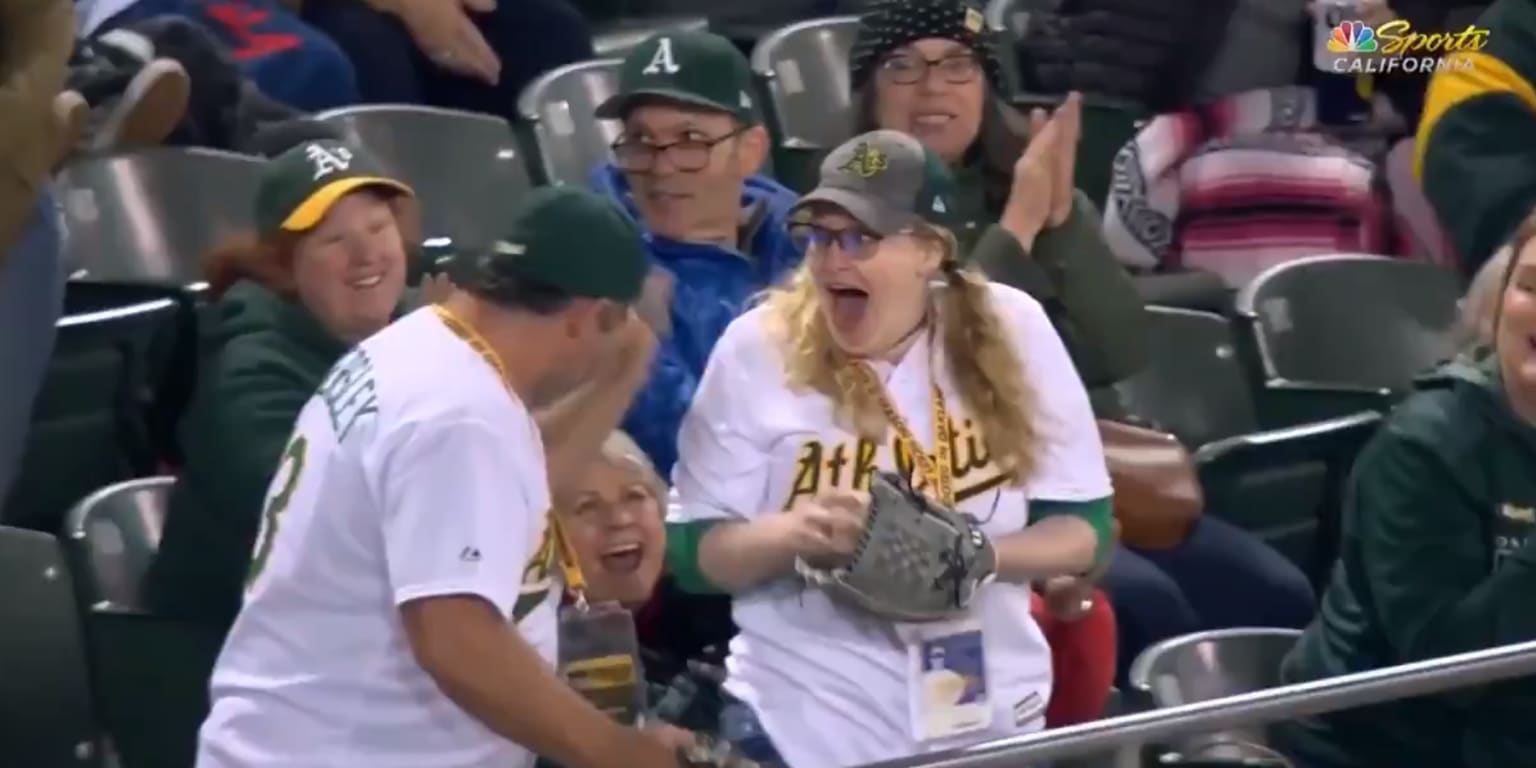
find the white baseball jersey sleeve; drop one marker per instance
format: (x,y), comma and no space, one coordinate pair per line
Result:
(830,686)
(412,473)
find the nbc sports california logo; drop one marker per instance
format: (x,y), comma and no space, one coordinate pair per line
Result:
(1354,47)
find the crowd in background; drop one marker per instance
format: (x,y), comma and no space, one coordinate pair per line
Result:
(691,171)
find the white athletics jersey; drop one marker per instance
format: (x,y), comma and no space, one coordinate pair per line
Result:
(412,472)
(829,685)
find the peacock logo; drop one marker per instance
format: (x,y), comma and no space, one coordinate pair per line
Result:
(1352,37)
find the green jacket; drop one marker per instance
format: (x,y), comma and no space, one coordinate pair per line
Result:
(1436,559)
(1088,295)
(1476,160)
(262,358)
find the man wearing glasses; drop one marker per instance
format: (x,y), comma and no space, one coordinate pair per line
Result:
(686,167)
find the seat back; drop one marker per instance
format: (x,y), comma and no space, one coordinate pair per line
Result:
(559,107)
(90,424)
(466,167)
(46,717)
(1013,16)
(804,70)
(113,535)
(1211,665)
(1355,320)
(615,37)
(1195,385)
(151,215)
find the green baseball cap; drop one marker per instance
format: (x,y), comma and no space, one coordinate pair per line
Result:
(698,69)
(888,181)
(575,240)
(300,185)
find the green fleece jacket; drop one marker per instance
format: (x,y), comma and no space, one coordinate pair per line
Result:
(1090,298)
(262,358)
(1437,559)
(1476,159)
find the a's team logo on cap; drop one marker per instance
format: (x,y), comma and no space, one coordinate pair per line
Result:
(867,161)
(327,161)
(974,21)
(662,61)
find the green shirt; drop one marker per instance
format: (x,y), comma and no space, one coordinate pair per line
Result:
(1436,559)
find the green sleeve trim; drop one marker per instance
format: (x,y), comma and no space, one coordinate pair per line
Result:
(683,557)
(1099,513)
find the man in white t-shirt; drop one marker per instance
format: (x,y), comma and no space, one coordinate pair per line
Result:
(401,609)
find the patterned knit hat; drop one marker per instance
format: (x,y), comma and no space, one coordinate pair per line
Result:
(890,24)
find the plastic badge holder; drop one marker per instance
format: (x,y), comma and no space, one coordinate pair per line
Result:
(600,659)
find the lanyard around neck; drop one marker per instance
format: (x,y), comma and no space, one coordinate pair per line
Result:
(569,567)
(936,468)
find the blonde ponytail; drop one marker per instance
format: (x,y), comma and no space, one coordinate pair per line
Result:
(988,372)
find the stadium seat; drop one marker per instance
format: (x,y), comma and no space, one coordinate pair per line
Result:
(91,424)
(148,216)
(1213,665)
(1195,385)
(1012,16)
(465,167)
(613,39)
(113,535)
(1287,485)
(46,717)
(1282,484)
(804,70)
(1351,324)
(558,108)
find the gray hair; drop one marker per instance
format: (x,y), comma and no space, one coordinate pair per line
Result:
(620,448)
(1480,305)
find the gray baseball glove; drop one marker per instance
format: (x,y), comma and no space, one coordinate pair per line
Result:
(917,561)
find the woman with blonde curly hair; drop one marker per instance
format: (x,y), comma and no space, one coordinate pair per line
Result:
(883,353)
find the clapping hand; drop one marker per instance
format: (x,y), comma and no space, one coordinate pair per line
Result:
(1043,178)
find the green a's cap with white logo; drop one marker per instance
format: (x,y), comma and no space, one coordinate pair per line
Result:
(300,185)
(888,181)
(698,69)
(566,238)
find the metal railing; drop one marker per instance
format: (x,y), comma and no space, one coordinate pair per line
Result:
(1249,709)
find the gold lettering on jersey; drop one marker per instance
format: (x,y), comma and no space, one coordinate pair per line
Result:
(849,465)
(348,392)
(537,579)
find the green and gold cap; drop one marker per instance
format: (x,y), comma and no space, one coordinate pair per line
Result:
(300,185)
(571,239)
(699,69)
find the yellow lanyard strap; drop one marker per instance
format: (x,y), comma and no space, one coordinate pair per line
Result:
(569,567)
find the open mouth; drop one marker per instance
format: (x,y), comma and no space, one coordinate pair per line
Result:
(364,283)
(849,306)
(932,120)
(623,558)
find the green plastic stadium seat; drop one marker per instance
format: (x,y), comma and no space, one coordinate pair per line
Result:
(464,166)
(557,109)
(91,424)
(150,215)
(46,718)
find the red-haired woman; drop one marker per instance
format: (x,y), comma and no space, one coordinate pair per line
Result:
(325,269)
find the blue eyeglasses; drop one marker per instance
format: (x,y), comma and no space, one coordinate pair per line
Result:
(854,242)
